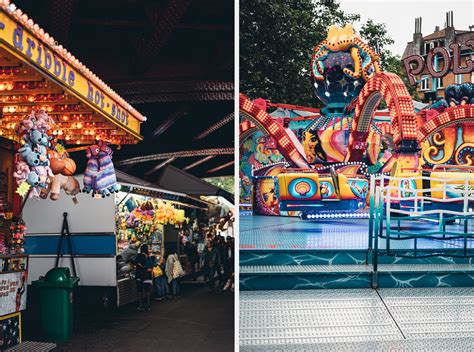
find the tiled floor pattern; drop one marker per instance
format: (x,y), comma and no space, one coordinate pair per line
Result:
(290,233)
(358,320)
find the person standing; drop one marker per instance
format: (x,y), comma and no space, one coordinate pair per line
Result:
(159,279)
(210,263)
(230,263)
(222,270)
(143,277)
(173,271)
(190,249)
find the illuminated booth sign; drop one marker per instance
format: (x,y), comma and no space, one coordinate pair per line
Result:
(25,41)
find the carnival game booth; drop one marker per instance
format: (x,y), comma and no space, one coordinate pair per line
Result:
(51,107)
(100,230)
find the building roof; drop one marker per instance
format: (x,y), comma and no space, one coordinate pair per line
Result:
(441,34)
(409,50)
(436,35)
(462,37)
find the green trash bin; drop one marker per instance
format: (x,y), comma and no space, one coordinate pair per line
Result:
(56,296)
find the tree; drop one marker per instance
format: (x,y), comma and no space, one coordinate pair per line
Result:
(376,36)
(276,43)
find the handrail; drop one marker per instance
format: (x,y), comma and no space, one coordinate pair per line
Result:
(418,205)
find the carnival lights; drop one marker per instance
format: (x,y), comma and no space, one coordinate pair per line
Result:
(50,43)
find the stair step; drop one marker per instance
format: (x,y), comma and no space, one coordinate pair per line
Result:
(303,257)
(304,277)
(407,268)
(353,268)
(304,269)
(432,344)
(296,277)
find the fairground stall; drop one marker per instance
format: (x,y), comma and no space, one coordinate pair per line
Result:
(371,187)
(105,232)
(52,106)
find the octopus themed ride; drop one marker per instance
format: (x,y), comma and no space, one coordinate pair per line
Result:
(322,160)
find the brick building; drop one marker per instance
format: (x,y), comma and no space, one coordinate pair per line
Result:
(428,87)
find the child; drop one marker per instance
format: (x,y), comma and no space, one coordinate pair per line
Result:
(159,279)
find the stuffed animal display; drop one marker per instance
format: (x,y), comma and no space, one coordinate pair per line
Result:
(17,235)
(38,164)
(99,176)
(32,164)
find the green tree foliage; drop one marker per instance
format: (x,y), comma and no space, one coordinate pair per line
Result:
(277,38)
(376,36)
(224,182)
(276,42)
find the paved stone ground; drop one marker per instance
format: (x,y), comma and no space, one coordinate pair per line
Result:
(198,321)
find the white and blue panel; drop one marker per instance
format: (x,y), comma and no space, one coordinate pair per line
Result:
(92,227)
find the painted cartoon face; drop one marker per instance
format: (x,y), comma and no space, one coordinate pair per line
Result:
(310,141)
(340,39)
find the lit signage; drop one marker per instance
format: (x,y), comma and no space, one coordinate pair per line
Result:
(21,43)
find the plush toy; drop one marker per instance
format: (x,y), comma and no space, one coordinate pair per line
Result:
(26,124)
(37,137)
(31,157)
(92,169)
(32,163)
(106,182)
(44,173)
(22,171)
(17,235)
(43,121)
(69,184)
(33,179)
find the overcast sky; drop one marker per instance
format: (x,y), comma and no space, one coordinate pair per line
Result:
(399,16)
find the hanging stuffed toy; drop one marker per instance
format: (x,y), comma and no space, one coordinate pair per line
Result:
(92,169)
(106,179)
(69,184)
(33,170)
(99,176)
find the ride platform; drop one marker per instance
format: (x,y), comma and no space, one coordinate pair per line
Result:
(282,253)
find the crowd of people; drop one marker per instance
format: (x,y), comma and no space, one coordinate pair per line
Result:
(158,277)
